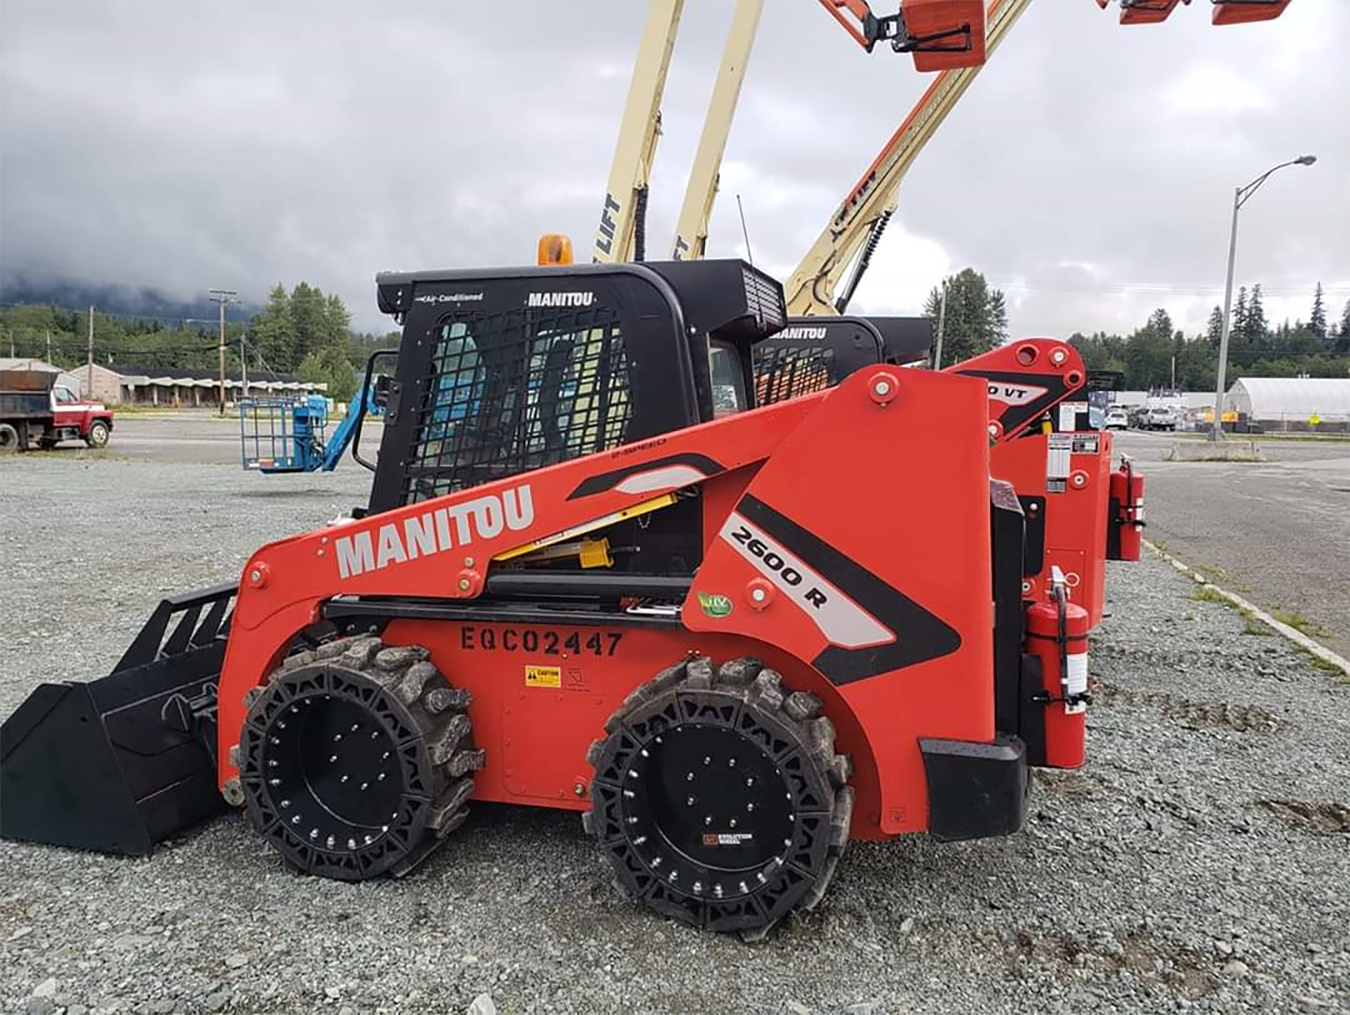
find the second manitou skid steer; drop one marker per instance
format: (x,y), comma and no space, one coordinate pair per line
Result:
(594,576)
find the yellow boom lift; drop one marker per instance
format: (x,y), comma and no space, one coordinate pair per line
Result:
(950,35)
(852,234)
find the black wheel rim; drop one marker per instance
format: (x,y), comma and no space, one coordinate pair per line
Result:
(710,806)
(331,771)
(643,823)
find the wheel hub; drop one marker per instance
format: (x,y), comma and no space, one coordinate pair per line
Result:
(334,772)
(331,771)
(708,810)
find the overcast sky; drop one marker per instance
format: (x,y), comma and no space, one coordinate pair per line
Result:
(1088,171)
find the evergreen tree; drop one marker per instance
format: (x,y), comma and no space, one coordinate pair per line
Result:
(308,319)
(1239,323)
(1214,333)
(1160,323)
(976,319)
(272,334)
(1317,323)
(1256,328)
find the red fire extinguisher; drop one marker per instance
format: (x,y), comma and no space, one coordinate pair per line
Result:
(1125,532)
(1057,635)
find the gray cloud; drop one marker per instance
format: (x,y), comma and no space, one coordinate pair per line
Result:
(189,145)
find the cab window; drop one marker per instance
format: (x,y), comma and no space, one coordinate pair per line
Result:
(64,395)
(728,381)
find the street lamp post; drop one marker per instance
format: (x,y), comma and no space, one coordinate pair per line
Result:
(1240,197)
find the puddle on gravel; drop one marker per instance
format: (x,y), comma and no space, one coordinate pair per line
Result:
(1186,972)
(1308,817)
(1190,714)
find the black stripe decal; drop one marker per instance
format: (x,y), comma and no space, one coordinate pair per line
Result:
(919,635)
(603,481)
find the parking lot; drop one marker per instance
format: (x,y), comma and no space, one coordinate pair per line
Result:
(1277,531)
(1197,862)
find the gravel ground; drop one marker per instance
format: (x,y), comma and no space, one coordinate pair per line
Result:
(1199,861)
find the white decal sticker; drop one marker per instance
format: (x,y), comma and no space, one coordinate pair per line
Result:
(840,619)
(670,477)
(1014,394)
(559,299)
(1077,682)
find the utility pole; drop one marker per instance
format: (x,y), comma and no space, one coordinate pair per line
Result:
(89,383)
(942,320)
(49,345)
(223,296)
(1240,197)
(243,361)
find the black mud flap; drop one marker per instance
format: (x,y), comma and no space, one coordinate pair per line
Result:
(975,790)
(121,763)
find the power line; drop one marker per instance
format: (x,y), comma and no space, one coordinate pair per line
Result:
(1160,288)
(79,311)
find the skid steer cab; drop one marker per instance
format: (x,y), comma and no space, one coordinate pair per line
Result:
(594,575)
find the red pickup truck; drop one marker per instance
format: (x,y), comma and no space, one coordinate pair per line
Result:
(34,409)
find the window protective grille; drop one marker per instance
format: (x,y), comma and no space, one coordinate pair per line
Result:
(515,391)
(786,371)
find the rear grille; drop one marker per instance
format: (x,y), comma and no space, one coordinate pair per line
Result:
(764,298)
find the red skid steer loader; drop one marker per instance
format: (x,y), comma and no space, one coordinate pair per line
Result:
(593,576)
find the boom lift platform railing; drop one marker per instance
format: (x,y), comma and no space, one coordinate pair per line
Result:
(290,434)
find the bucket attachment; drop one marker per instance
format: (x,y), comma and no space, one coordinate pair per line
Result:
(121,763)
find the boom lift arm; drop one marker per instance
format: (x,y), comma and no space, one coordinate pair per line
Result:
(691,233)
(932,27)
(871,202)
(868,207)
(620,234)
